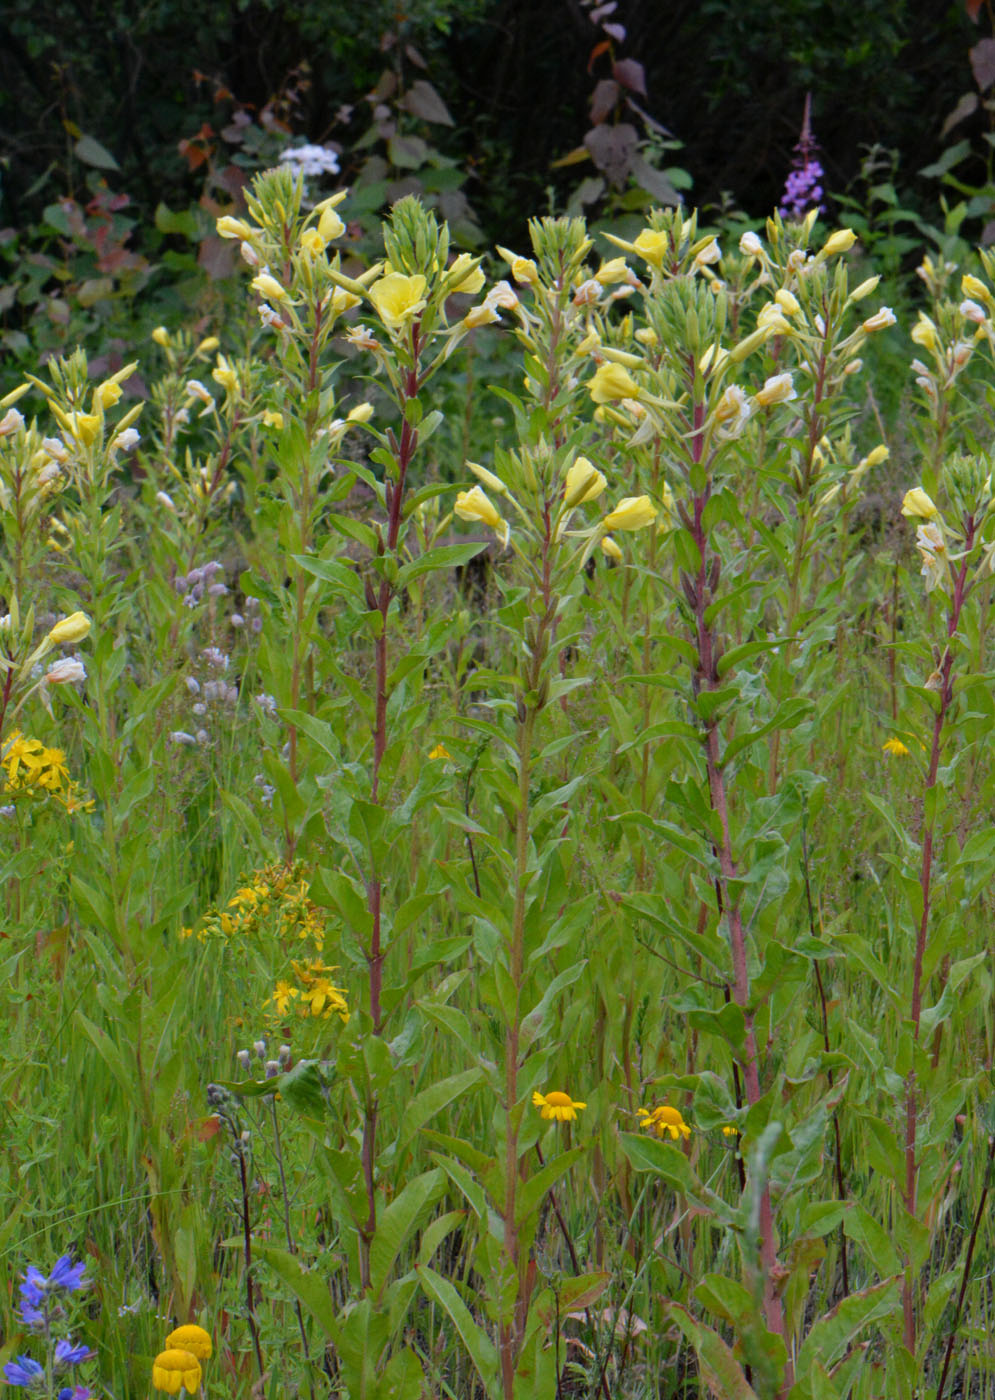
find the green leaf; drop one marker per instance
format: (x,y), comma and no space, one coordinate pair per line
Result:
(474,1338)
(91,152)
(720,1370)
(833,1334)
(434,1099)
(445,557)
(309,1287)
(399,1221)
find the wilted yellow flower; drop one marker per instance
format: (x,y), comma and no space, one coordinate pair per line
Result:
(839,242)
(918,505)
(398,298)
(225,375)
(631,513)
(974,287)
(924,332)
(556,1105)
(611,382)
(779,388)
(583,483)
(880,321)
(733,410)
(475,504)
(267,286)
(272,419)
(663,1121)
(70,629)
(175,1369)
(611,549)
(895,747)
(191,1338)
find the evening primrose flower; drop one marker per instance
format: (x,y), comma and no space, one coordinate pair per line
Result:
(224,374)
(398,298)
(268,287)
(330,226)
(85,427)
(161,337)
(312,243)
(556,1105)
(191,1338)
(469,280)
(615,270)
(105,395)
(522,269)
(924,332)
(839,242)
(971,311)
(229,227)
(880,321)
(69,629)
(611,382)
(583,483)
(611,549)
(10,422)
(732,411)
(663,1121)
(750,245)
(631,513)
(176,1369)
(652,245)
(476,505)
(778,388)
(933,552)
(917,505)
(788,302)
(895,747)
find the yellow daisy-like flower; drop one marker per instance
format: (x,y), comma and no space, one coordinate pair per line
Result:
(191,1338)
(557,1105)
(895,747)
(175,1369)
(283,994)
(664,1120)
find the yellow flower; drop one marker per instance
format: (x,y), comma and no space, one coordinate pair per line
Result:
(556,1105)
(839,242)
(268,287)
(191,1338)
(917,505)
(330,225)
(631,513)
(70,629)
(788,302)
(664,1120)
(475,504)
(583,483)
(224,374)
(174,1369)
(272,419)
(361,413)
(924,332)
(729,1131)
(343,300)
(228,227)
(522,269)
(616,270)
(895,747)
(283,994)
(880,321)
(973,286)
(612,382)
(323,1000)
(469,279)
(84,427)
(161,336)
(207,345)
(779,388)
(106,395)
(652,245)
(398,298)
(611,549)
(312,243)
(440,751)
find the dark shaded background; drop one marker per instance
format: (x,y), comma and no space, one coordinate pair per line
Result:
(728,79)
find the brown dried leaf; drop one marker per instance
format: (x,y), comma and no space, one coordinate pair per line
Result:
(965,106)
(631,75)
(982,58)
(422,100)
(603,99)
(613,149)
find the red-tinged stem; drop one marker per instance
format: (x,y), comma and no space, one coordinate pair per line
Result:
(945,690)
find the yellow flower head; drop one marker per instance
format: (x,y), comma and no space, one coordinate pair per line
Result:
(664,1120)
(272,419)
(224,374)
(918,505)
(924,332)
(895,747)
(440,751)
(85,427)
(191,1338)
(583,483)
(611,549)
(70,629)
(106,395)
(267,286)
(631,513)
(174,1369)
(612,382)
(475,504)
(556,1105)
(330,225)
(398,298)
(652,245)
(839,242)
(312,243)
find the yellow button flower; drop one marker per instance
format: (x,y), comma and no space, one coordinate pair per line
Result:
(398,298)
(176,1369)
(191,1338)
(556,1105)
(631,513)
(663,1121)
(612,382)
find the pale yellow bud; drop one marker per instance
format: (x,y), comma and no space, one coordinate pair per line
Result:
(631,513)
(330,226)
(583,483)
(161,336)
(70,629)
(611,549)
(839,242)
(917,505)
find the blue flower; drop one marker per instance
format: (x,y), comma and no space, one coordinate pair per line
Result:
(68,1355)
(23,1371)
(67,1275)
(75,1392)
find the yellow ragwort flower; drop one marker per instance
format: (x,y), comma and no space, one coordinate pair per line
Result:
(191,1338)
(895,747)
(557,1105)
(175,1369)
(664,1120)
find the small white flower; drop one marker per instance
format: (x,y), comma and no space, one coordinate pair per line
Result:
(10,422)
(972,311)
(125,441)
(68,671)
(750,245)
(55,448)
(165,500)
(311,160)
(180,736)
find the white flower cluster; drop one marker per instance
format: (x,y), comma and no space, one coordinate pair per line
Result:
(311,160)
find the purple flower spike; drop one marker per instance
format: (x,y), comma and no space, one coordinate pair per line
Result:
(803,189)
(23,1371)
